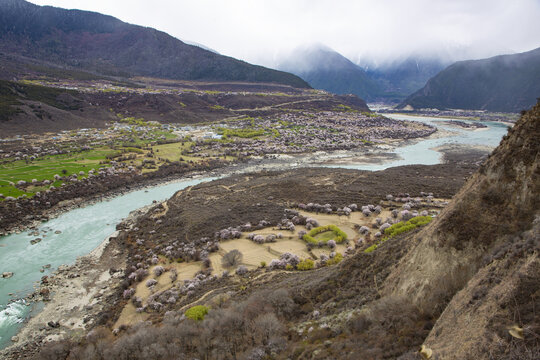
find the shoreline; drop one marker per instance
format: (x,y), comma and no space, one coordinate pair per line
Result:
(72,299)
(79,202)
(274,161)
(448,117)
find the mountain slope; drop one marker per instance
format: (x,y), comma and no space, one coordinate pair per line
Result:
(478,261)
(106,45)
(324,68)
(507,83)
(401,78)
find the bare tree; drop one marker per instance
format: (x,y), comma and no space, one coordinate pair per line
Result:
(231,259)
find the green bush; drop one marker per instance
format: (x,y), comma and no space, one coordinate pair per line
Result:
(400,228)
(263,264)
(306,264)
(335,260)
(371,248)
(405,226)
(197,312)
(310,236)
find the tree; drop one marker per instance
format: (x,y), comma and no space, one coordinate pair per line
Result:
(231,259)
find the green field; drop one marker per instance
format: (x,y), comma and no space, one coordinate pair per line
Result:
(325,236)
(45,169)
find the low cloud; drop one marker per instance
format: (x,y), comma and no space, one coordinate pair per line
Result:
(363,30)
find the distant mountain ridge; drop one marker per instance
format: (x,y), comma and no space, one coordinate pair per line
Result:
(507,83)
(104,44)
(324,68)
(402,77)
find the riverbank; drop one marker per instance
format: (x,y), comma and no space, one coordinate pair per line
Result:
(20,215)
(75,297)
(469,115)
(24,214)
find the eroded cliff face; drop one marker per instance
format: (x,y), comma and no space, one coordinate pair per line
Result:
(477,264)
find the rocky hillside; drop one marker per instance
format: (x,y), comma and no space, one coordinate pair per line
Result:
(34,108)
(507,83)
(478,262)
(106,45)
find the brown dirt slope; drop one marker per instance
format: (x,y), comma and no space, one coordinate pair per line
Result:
(486,245)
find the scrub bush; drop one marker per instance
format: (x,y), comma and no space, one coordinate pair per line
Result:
(197,312)
(306,264)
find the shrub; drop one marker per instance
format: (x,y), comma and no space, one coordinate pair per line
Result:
(331,244)
(151,282)
(259,239)
(242,270)
(231,259)
(371,248)
(400,228)
(336,259)
(306,264)
(289,267)
(340,235)
(197,312)
(405,226)
(158,270)
(263,264)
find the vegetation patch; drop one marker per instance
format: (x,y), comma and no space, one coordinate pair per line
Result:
(197,312)
(306,264)
(335,260)
(241,133)
(324,234)
(400,228)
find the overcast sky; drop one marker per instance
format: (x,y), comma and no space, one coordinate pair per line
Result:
(260,31)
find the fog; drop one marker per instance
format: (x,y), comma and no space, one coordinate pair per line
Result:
(375,31)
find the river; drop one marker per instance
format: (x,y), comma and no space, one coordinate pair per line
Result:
(77,232)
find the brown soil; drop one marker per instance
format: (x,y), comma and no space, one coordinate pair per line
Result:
(203,209)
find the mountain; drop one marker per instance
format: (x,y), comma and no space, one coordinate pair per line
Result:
(390,82)
(103,44)
(402,77)
(507,83)
(324,68)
